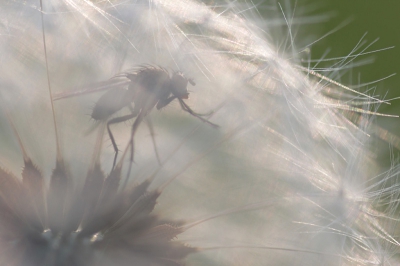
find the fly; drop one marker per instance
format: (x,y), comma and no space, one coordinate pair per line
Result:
(146,87)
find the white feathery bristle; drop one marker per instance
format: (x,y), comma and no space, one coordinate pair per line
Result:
(289,177)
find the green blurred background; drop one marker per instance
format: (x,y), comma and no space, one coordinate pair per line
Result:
(349,21)
(381,19)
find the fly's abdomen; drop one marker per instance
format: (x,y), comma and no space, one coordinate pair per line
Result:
(111,102)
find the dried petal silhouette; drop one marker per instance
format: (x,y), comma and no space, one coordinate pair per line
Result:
(58,196)
(79,227)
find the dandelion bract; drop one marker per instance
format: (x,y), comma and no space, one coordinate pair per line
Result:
(289,177)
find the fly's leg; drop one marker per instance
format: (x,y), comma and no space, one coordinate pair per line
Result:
(135,126)
(163,103)
(117,120)
(186,108)
(151,129)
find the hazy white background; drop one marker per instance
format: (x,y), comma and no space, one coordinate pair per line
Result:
(283,148)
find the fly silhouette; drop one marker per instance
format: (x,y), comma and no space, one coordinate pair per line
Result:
(139,90)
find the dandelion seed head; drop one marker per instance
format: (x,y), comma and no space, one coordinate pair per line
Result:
(288,178)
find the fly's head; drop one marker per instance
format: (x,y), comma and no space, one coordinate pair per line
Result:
(178,85)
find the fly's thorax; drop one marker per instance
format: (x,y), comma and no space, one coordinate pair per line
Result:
(152,80)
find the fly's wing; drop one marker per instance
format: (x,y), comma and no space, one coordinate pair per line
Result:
(113,83)
(111,102)
(122,80)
